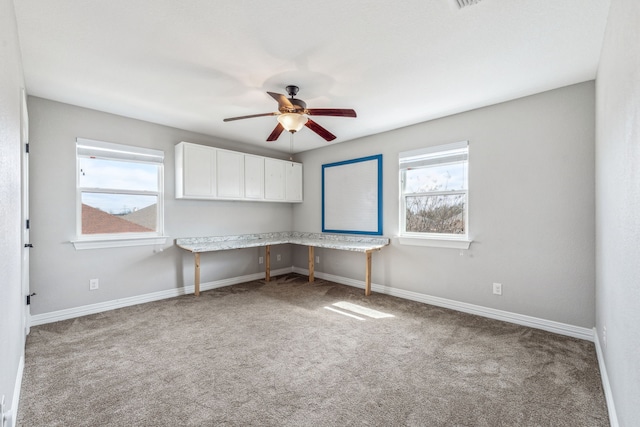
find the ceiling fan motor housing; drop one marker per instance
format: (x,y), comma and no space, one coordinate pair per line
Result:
(299,106)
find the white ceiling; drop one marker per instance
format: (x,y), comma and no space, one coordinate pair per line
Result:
(189,64)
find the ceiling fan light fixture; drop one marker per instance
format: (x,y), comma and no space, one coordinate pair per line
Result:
(292,122)
(293,114)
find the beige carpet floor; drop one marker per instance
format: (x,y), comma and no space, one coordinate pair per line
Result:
(289,353)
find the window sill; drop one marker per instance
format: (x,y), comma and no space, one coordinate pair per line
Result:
(434,243)
(118,243)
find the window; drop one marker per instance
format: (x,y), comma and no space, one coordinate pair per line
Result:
(434,196)
(119,194)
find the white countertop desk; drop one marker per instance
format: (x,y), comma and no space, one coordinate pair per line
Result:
(365,244)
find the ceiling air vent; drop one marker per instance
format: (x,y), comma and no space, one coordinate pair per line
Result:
(465,3)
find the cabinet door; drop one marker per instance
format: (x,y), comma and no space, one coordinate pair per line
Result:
(274,179)
(195,171)
(293,182)
(253,177)
(230,168)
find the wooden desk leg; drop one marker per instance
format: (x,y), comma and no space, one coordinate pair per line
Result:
(267,260)
(367,288)
(311,265)
(197,277)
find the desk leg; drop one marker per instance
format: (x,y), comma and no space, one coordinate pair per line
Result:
(197,276)
(267,260)
(311,265)
(367,288)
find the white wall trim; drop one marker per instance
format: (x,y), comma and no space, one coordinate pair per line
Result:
(118,242)
(506,316)
(10,417)
(16,392)
(434,243)
(608,395)
(70,313)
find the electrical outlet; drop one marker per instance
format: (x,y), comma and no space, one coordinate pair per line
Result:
(94,284)
(317,260)
(497,288)
(278,257)
(260,260)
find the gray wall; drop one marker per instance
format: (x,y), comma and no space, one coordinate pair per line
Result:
(11,298)
(618,207)
(60,274)
(531,183)
(531,211)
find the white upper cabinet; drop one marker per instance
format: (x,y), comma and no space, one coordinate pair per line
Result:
(195,171)
(204,172)
(274,179)
(293,182)
(230,173)
(253,177)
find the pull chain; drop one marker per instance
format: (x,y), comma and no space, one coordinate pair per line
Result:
(291,147)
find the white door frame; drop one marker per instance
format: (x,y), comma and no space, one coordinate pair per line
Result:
(24,144)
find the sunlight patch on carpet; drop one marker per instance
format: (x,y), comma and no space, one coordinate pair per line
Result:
(369,312)
(344,313)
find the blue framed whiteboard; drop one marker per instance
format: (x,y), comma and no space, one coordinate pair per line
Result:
(352,196)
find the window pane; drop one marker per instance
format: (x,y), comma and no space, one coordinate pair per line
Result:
(435,214)
(118,213)
(114,174)
(448,177)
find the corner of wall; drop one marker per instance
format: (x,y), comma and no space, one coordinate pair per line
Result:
(608,395)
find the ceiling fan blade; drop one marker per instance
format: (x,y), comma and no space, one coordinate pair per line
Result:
(249,117)
(320,130)
(337,112)
(283,102)
(276,133)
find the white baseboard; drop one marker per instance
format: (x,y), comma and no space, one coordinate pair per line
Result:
(506,316)
(10,417)
(608,395)
(71,313)
(520,319)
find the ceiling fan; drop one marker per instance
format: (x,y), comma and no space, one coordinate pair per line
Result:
(293,115)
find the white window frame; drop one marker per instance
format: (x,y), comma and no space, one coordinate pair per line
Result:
(444,240)
(111,151)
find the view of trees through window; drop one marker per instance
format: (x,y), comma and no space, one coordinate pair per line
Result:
(435,197)
(435,214)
